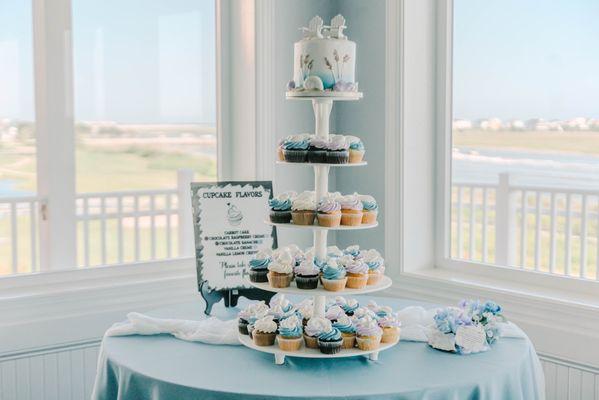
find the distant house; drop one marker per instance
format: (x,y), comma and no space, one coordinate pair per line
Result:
(491,124)
(516,125)
(462,125)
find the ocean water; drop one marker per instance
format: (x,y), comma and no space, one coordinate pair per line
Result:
(559,170)
(8,188)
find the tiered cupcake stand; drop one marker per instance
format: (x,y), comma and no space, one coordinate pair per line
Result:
(322,105)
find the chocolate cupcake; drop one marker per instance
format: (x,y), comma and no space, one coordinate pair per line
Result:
(259,266)
(280,208)
(337,150)
(317,152)
(307,274)
(330,342)
(295,149)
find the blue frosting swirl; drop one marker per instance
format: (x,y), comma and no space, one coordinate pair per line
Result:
(357,146)
(373,265)
(370,205)
(296,331)
(259,264)
(333,273)
(280,205)
(296,144)
(330,336)
(344,328)
(347,308)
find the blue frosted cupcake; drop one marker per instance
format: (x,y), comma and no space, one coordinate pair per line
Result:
(356,149)
(295,149)
(330,342)
(280,208)
(348,331)
(259,266)
(333,276)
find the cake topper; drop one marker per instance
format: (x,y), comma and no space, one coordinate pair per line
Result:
(314,29)
(337,27)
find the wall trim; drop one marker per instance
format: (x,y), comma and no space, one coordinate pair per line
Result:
(394,133)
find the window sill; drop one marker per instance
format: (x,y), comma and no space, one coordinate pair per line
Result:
(75,306)
(561,324)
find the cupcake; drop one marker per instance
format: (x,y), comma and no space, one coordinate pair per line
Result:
(370,211)
(290,334)
(314,328)
(356,149)
(280,149)
(243,319)
(376,266)
(259,266)
(297,254)
(337,150)
(391,328)
(357,272)
(353,251)
(255,311)
(265,331)
(348,306)
(329,213)
(306,274)
(334,312)
(280,271)
(317,152)
(363,312)
(280,208)
(348,331)
(330,341)
(368,334)
(280,308)
(333,276)
(306,310)
(303,209)
(334,252)
(295,148)
(351,210)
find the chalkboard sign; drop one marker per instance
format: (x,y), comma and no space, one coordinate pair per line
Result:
(229,229)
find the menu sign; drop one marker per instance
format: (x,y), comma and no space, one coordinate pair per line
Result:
(229,229)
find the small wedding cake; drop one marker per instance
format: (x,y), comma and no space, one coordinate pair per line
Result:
(325,59)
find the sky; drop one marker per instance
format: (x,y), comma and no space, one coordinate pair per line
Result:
(526,58)
(138,61)
(134,61)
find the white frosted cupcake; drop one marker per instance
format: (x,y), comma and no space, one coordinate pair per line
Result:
(280,270)
(265,331)
(314,328)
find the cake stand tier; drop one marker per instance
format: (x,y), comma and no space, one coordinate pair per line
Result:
(383,284)
(305,352)
(329,95)
(360,164)
(323,228)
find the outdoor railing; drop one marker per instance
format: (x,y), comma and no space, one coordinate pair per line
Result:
(546,229)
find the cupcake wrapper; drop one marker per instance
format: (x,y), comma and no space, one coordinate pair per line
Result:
(263,339)
(349,340)
(280,217)
(311,342)
(356,156)
(279,280)
(368,342)
(356,281)
(280,154)
(258,275)
(290,344)
(373,279)
(242,326)
(369,217)
(337,157)
(334,285)
(317,156)
(306,282)
(298,156)
(303,217)
(390,335)
(330,220)
(351,219)
(250,331)
(330,347)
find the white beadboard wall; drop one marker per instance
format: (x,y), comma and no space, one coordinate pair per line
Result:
(68,374)
(59,374)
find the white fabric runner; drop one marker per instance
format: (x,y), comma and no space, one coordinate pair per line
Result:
(414,325)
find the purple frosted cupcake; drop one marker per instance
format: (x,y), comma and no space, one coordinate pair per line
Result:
(337,150)
(317,153)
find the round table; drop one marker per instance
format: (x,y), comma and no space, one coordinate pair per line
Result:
(162,367)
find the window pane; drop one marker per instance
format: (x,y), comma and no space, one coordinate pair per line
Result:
(525,170)
(17,140)
(144,75)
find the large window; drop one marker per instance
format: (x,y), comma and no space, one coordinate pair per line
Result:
(525,135)
(143,89)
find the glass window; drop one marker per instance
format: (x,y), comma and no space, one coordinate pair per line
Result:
(18,241)
(525,165)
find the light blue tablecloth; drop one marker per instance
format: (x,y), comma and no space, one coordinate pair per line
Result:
(162,367)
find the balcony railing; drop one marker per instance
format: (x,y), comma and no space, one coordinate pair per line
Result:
(112,227)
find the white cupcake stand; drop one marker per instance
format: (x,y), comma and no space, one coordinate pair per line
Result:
(322,105)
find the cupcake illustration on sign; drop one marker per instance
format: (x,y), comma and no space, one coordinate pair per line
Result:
(234,215)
